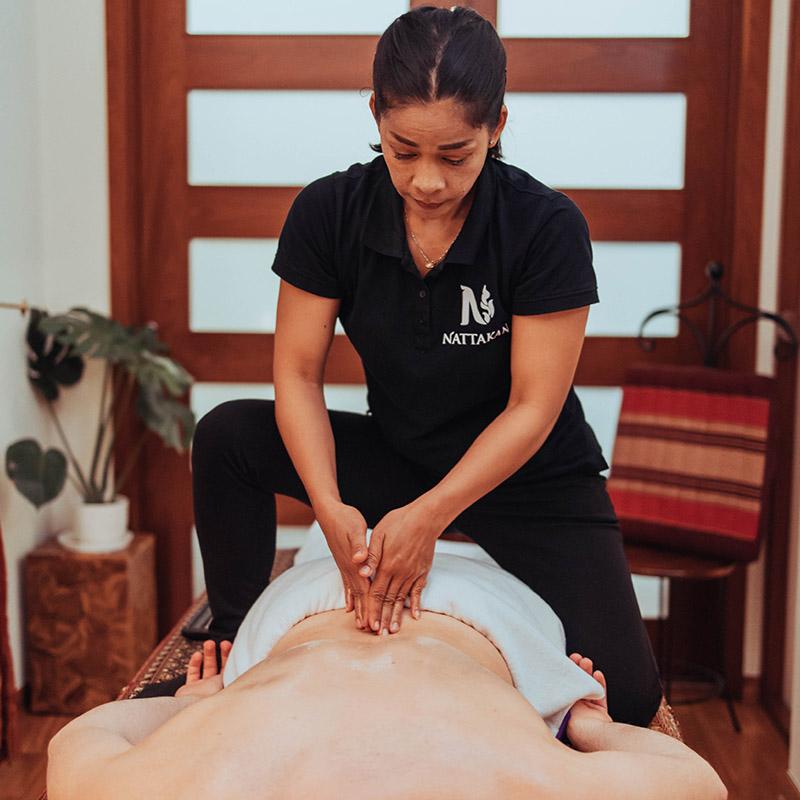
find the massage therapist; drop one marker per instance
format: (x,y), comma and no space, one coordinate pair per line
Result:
(464,284)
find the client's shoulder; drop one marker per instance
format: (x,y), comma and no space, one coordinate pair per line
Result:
(633,775)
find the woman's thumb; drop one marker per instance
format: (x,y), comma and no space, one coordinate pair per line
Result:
(358,547)
(374,555)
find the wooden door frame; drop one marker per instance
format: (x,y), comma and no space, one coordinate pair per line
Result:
(777,556)
(130,152)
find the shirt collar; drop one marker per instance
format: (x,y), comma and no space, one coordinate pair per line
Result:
(384,229)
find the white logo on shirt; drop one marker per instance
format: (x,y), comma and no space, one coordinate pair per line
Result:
(470,306)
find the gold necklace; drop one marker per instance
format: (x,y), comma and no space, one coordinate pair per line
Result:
(428,263)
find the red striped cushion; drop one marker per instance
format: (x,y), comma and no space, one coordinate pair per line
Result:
(690,459)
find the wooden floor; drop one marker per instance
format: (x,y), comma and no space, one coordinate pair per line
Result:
(752,764)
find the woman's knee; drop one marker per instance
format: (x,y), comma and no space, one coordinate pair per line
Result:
(227,426)
(636,698)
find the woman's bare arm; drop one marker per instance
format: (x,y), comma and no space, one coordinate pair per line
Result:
(303,335)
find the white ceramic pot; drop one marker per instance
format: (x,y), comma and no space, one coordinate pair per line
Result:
(101,527)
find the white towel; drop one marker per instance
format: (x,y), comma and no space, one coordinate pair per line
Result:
(514,618)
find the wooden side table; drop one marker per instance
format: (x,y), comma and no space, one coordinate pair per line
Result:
(90,622)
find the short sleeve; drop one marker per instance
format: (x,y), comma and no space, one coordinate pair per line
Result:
(557,273)
(306,256)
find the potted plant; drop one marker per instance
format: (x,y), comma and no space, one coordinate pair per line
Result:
(137,373)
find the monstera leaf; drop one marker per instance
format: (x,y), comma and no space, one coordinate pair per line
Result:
(96,336)
(171,419)
(51,362)
(39,476)
(136,365)
(161,373)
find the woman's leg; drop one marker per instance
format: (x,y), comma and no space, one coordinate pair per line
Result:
(239,463)
(563,540)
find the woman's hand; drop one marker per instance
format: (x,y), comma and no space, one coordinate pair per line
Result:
(205,661)
(400,557)
(588,711)
(345,530)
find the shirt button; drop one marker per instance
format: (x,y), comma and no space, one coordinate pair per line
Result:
(422,293)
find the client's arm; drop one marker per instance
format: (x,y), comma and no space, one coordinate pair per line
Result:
(78,754)
(628,762)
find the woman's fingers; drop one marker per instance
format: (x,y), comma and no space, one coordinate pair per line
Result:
(397,615)
(387,606)
(348,599)
(416,597)
(399,603)
(193,668)
(359,587)
(375,598)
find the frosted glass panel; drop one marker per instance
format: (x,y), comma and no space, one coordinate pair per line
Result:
(635,278)
(603,140)
(275,137)
(598,140)
(311,17)
(652,595)
(338,396)
(231,285)
(592,18)
(601,405)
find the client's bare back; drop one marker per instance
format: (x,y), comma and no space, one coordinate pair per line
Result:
(335,712)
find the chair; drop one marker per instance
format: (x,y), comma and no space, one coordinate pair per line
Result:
(690,476)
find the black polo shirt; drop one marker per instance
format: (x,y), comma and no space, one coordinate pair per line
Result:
(436,350)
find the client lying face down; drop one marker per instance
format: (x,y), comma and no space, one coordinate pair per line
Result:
(329,711)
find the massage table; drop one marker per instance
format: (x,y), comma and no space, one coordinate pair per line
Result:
(171,655)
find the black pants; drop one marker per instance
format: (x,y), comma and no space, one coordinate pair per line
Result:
(560,537)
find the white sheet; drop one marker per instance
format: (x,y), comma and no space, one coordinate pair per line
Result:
(472,589)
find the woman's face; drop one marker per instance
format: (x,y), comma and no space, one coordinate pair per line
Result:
(433,154)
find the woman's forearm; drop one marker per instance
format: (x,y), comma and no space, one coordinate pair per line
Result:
(507,443)
(305,428)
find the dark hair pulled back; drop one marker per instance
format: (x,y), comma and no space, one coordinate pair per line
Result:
(433,54)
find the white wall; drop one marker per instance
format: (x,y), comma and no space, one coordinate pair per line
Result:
(768,291)
(53,233)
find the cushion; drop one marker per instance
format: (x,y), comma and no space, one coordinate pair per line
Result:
(691,460)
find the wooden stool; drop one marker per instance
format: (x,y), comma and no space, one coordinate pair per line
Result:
(673,566)
(90,622)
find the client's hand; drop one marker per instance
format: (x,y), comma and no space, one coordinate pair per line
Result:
(586,710)
(400,556)
(345,530)
(211,680)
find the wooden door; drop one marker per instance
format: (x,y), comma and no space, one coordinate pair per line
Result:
(713,212)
